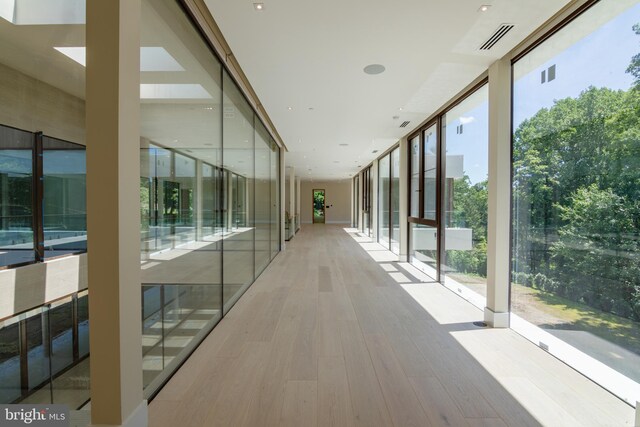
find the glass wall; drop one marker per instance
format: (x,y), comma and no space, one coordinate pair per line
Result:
(576,187)
(384,171)
(262,201)
(466,143)
(249,158)
(209,191)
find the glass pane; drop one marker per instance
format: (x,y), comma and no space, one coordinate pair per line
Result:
(414,184)
(38,352)
(383,200)
(16,196)
(423,252)
(430,170)
(263,199)
(83,325)
(183,192)
(275,199)
(466,139)
(239,157)
(395,201)
(10,389)
(65,197)
(576,151)
(60,325)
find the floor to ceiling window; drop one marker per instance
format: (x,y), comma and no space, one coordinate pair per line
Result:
(384,172)
(424,241)
(367,200)
(465,141)
(389,201)
(576,187)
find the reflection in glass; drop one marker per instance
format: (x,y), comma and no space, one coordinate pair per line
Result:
(424,248)
(466,139)
(275,198)
(414,184)
(16,197)
(239,153)
(64,199)
(9,362)
(262,201)
(185,193)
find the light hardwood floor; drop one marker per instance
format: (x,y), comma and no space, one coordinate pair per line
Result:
(328,337)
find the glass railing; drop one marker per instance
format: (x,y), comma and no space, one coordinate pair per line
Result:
(44,354)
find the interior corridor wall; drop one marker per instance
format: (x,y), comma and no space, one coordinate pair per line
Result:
(337,196)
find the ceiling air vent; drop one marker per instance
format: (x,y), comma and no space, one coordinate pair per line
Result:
(404,124)
(496,36)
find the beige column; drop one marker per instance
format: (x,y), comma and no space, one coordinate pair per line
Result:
(113,211)
(404,208)
(496,313)
(298,199)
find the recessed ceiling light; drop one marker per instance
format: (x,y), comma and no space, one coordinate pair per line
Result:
(484,8)
(208,108)
(400,108)
(289,108)
(258,6)
(374,69)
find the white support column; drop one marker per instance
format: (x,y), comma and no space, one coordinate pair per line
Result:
(404,209)
(113,211)
(496,313)
(637,414)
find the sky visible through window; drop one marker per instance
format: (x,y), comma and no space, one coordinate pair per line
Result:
(600,59)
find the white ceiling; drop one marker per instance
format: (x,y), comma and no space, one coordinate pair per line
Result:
(309,56)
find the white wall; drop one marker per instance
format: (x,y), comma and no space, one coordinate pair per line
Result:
(336,193)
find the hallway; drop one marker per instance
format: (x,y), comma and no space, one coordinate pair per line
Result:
(337,332)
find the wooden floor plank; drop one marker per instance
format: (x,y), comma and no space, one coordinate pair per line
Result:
(334,401)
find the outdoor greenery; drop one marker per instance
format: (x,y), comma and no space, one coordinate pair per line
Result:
(576,184)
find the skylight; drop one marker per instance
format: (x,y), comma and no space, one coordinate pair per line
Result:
(151,58)
(173,91)
(43,12)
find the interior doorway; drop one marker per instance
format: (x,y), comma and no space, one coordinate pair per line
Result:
(318,207)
